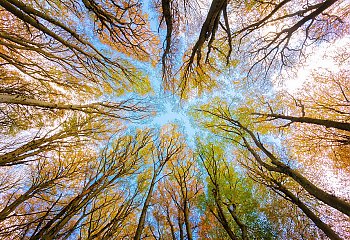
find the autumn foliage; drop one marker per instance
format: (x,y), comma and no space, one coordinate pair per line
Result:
(128,119)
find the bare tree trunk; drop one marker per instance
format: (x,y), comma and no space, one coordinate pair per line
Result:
(171,225)
(142,218)
(316,121)
(329,199)
(180,223)
(187,221)
(318,222)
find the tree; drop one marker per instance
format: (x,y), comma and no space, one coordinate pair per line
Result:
(47,62)
(280,33)
(213,169)
(231,197)
(176,198)
(164,151)
(76,122)
(71,134)
(79,54)
(67,211)
(45,182)
(265,160)
(114,164)
(85,152)
(41,181)
(295,26)
(318,118)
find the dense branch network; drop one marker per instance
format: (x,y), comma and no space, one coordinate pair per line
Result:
(77,159)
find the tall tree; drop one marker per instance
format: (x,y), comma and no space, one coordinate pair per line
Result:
(120,21)
(165,149)
(230,197)
(177,196)
(268,161)
(64,207)
(317,115)
(262,36)
(121,160)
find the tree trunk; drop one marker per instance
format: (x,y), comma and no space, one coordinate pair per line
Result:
(240,224)
(215,10)
(223,220)
(172,229)
(22,100)
(142,218)
(102,108)
(166,11)
(318,222)
(187,221)
(10,208)
(180,223)
(316,121)
(312,189)
(318,193)
(30,149)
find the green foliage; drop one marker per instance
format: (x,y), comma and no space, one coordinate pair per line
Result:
(234,188)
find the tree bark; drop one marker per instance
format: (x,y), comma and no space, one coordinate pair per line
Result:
(187,221)
(316,121)
(318,222)
(30,149)
(172,229)
(240,224)
(312,189)
(180,223)
(142,219)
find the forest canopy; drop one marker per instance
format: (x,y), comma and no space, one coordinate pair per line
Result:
(167,119)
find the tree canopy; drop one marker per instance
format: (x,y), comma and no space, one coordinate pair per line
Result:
(167,119)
